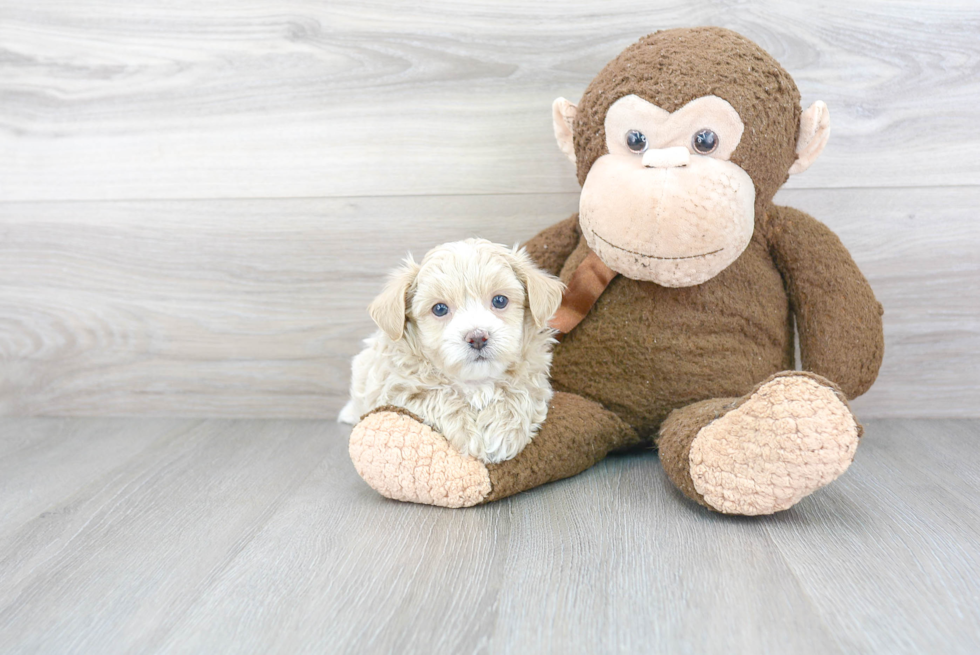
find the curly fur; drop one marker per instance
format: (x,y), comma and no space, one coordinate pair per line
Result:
(488,404)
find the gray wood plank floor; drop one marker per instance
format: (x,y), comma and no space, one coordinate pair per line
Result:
(179,535)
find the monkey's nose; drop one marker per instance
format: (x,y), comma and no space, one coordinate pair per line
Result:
(666,157)
(477,339)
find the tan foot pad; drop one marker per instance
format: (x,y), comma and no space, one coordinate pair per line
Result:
(792,436)
(404,459)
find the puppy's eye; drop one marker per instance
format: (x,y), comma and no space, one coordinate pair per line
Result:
(440,309)
(636,141)
(499,302)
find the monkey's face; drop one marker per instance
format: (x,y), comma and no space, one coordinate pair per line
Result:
(666,204)
(679,142)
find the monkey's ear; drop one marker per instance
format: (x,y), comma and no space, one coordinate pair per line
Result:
(814,132)
(544,291)
(388,309)
(563,114)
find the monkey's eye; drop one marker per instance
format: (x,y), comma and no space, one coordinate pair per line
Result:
(440,309)
(705,142)
(636,141)
(499,302)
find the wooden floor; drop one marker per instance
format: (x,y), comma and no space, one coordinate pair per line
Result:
(208,536)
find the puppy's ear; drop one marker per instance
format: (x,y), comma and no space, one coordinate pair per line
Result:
(543,291)
(388,309)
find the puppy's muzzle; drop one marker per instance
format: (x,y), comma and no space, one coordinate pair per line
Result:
(477,339)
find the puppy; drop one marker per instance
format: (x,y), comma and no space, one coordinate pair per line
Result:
(463,344)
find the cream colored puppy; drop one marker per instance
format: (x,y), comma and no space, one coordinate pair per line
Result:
(464,344)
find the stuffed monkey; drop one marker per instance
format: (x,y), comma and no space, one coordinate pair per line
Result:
(685,284)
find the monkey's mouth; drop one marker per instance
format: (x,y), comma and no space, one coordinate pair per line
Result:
(640,254)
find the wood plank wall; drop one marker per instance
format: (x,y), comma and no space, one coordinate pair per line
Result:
(197,200)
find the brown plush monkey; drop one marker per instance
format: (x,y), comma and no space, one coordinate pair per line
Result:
(685,283)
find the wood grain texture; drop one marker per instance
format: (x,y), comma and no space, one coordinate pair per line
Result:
(306,99)
(909,508)
(113,557)
(254,308)
(234,308)
(44,462)
(258,536)
(197,203)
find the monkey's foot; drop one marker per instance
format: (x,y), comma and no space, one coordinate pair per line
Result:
(402,458)
(791,436)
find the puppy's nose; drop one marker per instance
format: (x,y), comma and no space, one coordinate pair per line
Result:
(477,339)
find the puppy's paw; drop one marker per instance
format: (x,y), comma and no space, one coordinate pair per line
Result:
(348,414)
(500,447)
(402,458)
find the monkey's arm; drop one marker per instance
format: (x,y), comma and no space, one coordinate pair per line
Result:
(550,247)
(837,316)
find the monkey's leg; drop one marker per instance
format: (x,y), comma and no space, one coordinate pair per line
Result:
(761,453)
(404,459)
